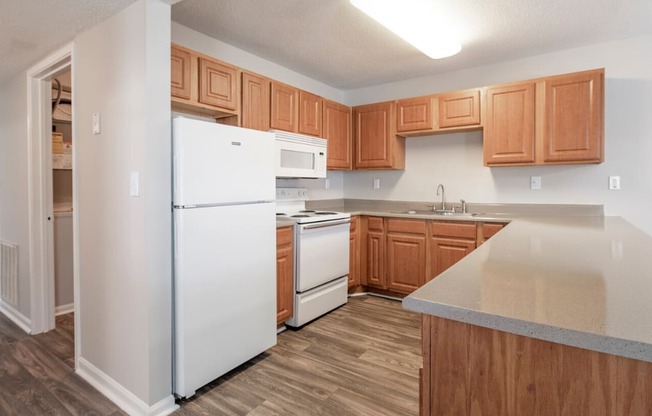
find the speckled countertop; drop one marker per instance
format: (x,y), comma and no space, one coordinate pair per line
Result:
(579,281)
(560,273)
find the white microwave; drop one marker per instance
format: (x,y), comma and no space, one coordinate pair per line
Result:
(299,156)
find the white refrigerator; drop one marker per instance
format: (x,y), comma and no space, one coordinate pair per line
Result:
(224,249)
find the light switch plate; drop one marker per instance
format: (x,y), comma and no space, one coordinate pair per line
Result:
(96,123)
(134,185)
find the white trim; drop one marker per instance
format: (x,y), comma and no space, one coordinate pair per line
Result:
(119,395)
(15,316)
(41,240)
(64,309)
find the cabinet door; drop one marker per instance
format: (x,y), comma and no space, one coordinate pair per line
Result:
(375,257)
(337,130)
(406,262)
(573,118)
(414,114)
(284,275)
(181,70)
(218,84)
(310,113)
(354,252)
(284,107)
(459,109)
(509,130)
(375,137)
(255,102)
(444,252)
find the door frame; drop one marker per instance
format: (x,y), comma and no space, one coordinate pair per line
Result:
(41,216)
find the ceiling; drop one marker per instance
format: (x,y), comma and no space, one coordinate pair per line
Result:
(333,42)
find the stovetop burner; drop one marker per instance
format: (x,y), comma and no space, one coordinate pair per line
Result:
(291,205)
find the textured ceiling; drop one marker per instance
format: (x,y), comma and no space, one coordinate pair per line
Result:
(333,42)
(30,29)
(330,40)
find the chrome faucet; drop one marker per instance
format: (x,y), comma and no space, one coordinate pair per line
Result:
(443,199)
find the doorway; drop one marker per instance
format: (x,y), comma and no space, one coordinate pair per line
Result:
(41,206)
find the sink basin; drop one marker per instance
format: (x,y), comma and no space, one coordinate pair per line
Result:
(436,213)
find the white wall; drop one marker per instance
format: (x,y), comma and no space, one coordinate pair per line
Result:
(14,208)
(121,70)
(455,160)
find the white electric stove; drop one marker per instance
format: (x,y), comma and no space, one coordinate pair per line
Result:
(321,255)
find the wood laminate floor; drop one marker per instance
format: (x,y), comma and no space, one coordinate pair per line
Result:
(361,359)
(37,375)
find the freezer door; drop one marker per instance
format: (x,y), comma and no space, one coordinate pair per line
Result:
(218,164)
(224,290)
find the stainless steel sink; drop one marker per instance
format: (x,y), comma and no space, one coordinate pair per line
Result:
(442,213)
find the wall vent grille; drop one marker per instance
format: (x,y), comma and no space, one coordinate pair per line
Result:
(9,273)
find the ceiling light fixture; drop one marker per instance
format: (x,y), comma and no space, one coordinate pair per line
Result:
(417,22)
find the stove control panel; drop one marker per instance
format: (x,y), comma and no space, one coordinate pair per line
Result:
(291,194)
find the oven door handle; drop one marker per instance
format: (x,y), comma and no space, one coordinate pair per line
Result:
(325,224)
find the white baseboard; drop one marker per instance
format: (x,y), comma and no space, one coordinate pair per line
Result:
(16,317)
(119,395)
(64,309)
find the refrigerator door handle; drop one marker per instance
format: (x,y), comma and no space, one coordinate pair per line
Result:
(227,204)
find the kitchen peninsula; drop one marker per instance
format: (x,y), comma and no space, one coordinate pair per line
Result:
(549,317)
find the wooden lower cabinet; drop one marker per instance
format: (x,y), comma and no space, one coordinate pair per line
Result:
(284,274)
(374,252)
(449,243)
(354,252)
(471,370)
(444,252)
(405,263)
(401,255)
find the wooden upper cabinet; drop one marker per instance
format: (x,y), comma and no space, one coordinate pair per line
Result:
(376,144)
(573,123)
(310,113)
(414,114)
(255,102)
(509,126)
(218,84)
(284,107)
(181,72)
(459,109)
(338,131)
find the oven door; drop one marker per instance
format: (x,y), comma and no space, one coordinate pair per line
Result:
(322,253)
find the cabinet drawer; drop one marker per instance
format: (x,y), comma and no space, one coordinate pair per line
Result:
(406,226)
(284,235)
(453,229)
(375,223)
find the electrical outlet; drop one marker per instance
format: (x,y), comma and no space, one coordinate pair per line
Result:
(535,182)
(614,182)
(96,123)
(327,184)
(376,183)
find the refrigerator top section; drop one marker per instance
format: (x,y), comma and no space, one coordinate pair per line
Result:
(215,164)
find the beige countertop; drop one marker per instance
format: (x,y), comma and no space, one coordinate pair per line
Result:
(584,281)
